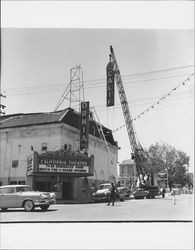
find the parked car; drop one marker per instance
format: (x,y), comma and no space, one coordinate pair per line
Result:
(103,193)
(140,194)
(16,196)
(122,193)
(176,191)
(187,191)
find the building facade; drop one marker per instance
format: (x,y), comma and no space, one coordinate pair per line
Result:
(49,133)
(128,176)
(127,173)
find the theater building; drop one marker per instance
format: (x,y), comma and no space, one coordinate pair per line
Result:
(42,150)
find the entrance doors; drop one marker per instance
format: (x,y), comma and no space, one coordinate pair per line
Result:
(67,190)
(43,186)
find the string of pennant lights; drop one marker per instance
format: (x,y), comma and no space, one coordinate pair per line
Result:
(158,102)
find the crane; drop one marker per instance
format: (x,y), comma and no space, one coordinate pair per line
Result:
(138,154)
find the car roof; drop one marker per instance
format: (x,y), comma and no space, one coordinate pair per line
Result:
(14,186)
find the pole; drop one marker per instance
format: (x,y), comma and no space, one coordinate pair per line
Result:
(167,179)
(174,200)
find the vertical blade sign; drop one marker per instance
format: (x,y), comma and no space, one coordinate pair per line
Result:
(110,84)
(84,126)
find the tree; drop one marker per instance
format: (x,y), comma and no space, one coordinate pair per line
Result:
(165,158)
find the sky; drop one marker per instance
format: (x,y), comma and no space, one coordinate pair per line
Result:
(37,58)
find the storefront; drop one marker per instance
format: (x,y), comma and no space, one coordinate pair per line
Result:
(61,172)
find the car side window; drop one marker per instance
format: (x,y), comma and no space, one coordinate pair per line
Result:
(22,189)
(8,190)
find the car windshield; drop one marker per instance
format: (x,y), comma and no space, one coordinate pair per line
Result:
(104,186)
(176,186)
(23,189)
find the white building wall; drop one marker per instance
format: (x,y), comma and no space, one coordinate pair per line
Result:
(16,145)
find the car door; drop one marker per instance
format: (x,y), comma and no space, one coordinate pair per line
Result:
(9,198)
(2,200)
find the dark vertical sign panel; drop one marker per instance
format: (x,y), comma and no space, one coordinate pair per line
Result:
(110,84)
(84,129)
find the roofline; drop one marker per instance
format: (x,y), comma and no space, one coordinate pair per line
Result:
(5,117)
(20,185)
(64,112)
(36,113)
(29,125)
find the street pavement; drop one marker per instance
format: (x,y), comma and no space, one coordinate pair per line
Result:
(158,209)
(133,224)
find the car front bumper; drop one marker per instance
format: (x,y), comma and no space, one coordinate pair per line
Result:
(103,198)
(45,202)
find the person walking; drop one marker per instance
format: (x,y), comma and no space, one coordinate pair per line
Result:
(113,191)
(163,192)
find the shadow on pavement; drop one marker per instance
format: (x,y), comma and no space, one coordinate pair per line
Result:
(23,211)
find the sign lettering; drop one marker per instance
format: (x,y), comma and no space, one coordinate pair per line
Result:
(63,169)
(110,84)
(84,130)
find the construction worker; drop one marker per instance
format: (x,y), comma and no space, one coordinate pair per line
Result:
(163,191)
(113,191)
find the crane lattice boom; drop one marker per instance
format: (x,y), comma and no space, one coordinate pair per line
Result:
(136,148)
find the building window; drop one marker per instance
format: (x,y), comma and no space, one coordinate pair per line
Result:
(122,170)
(0,183)
(43,146)
(19,148)
(13,182)
(14,163)
(21,182)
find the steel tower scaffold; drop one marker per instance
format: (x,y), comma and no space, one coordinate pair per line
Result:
(74,92)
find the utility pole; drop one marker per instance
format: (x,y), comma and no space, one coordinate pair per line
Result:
(2,107)
(167,178)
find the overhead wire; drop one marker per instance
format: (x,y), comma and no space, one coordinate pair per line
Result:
(139,102)
(103,80)
(94,86)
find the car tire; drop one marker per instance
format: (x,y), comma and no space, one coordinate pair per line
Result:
(151,196)
(29,206)
(139,197)
(44,208)
(4,208)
